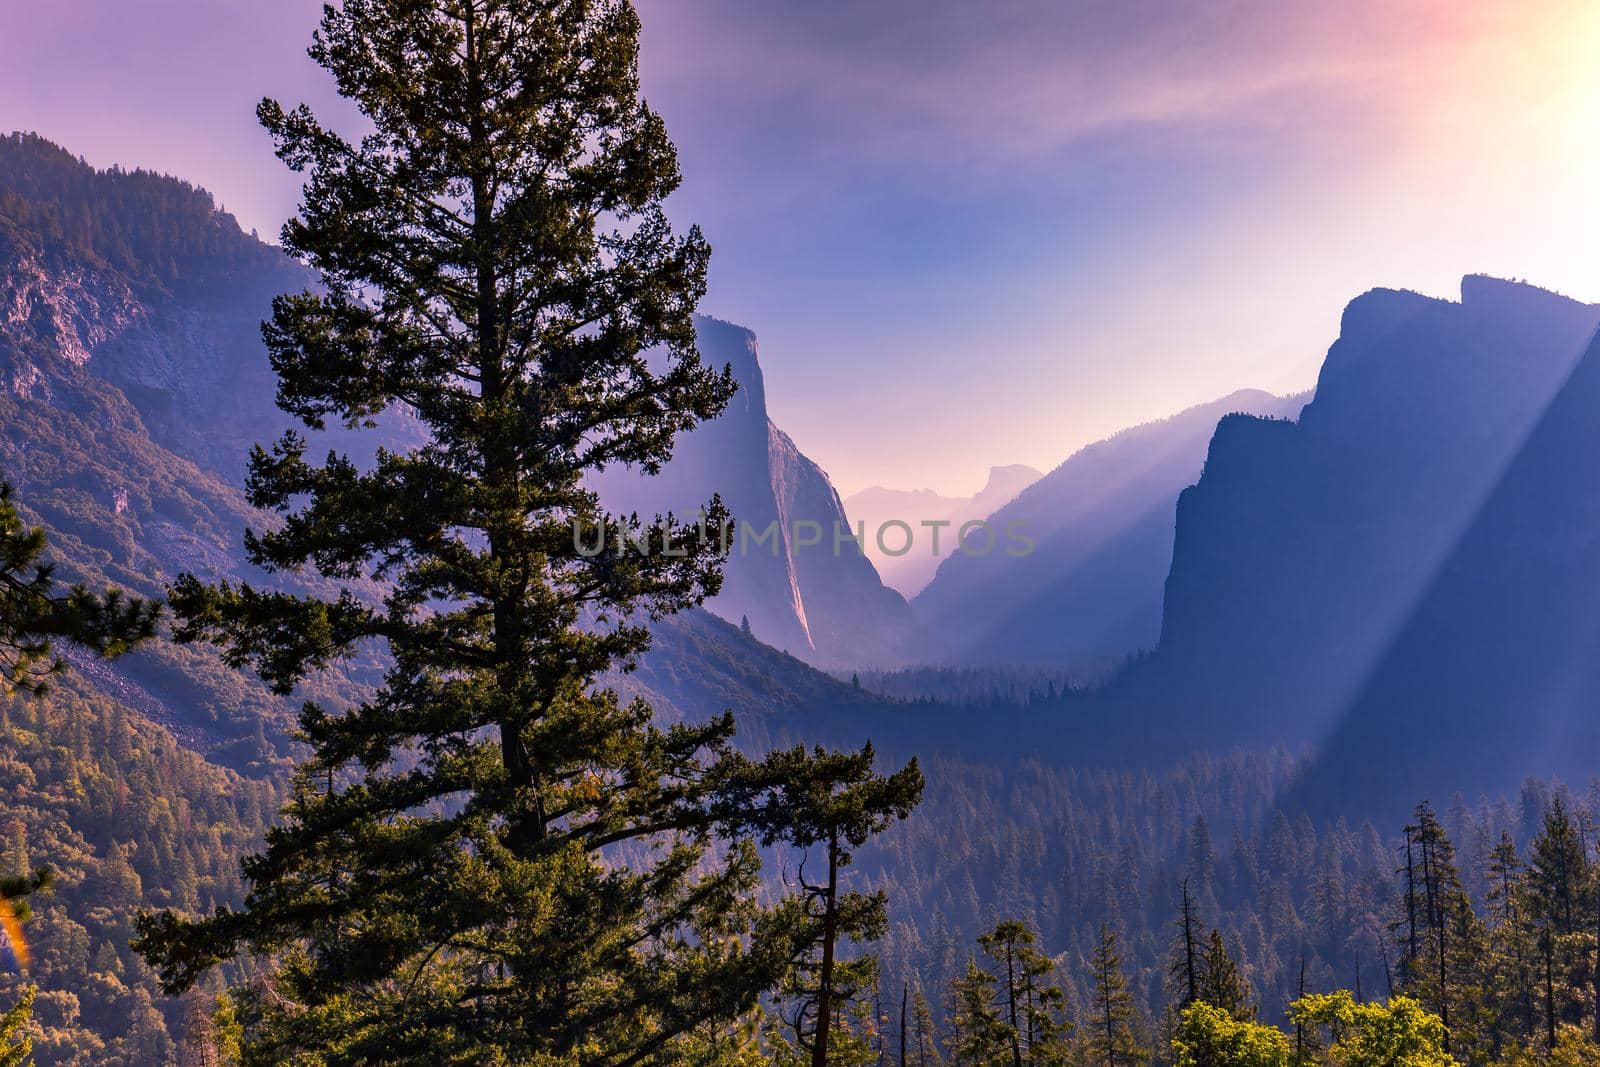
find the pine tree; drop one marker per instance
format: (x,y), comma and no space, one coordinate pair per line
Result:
(489,859)
(1511,941)
(1183,974)
(1031,1005)
(832,802)
(979,1037)
(1112,1040)
(1557,872)
(924,1039)
(1559,884)
(1436,900)
(1220,983)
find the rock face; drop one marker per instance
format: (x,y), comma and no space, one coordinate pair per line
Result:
(1089,593)
(1495,675)
(1305,546)
(821,602)
(909,572)
(1305,549)
(152,290)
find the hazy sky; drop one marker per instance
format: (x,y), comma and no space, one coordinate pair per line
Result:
(972,232)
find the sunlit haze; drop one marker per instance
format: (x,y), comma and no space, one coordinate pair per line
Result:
(971,234)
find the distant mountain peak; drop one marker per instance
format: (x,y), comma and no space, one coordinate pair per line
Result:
(1010,475)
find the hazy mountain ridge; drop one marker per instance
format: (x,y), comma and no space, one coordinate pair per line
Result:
(1305,547)
(911,571)
(1089,593)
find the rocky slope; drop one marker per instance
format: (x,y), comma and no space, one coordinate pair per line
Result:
(130,395)
(1305,546)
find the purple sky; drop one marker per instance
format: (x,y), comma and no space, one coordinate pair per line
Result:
(985,232)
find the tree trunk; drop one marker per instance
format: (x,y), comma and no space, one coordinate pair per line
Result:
(905,993)
(830,922)
(1548,947)
(1190,974)
(1011,998)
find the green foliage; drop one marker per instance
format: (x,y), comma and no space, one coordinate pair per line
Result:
(832,803)
(1572,1049)
(16,1044)
(1035,1032)
(1399,1033)
(1209,1036)
(978,1037)
(1110,1028)
(923,1049)
(1220,983)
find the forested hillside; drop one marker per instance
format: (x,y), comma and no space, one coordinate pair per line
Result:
(125,819)
(1302,906)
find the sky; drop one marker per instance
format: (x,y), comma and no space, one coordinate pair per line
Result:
(978,232)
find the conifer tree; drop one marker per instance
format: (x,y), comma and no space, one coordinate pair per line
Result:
(925,1041)
(1183,974)
(489,859)
(1112,1041)
(1512,978)
(1220,983)
(1436,901)
(1559,884)
(1031,1005)
(833,802)
(979,1036)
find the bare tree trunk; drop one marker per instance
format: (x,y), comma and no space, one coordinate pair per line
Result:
(830,923)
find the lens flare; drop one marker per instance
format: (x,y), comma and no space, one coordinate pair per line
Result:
(14,946)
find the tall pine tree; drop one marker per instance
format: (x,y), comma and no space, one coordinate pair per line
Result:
(488,860)
(1031,1004)
(1111,1035)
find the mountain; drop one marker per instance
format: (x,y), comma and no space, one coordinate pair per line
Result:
(913,567)
(1089,593)
(1495,675)
(822,601)
(132,480)
(1305,546)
